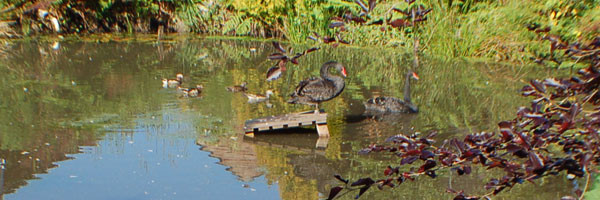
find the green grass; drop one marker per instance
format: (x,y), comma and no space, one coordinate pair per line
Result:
(493,30)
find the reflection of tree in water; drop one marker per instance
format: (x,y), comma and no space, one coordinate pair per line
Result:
(317,168)
(240,159)
(21,165)
(108,84)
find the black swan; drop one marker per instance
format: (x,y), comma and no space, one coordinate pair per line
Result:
(394,105)
(173,83)
(314,90)
(192,92)
(238,88)
(254,98)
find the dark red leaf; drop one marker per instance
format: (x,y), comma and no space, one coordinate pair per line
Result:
(552,82)
(399,23)
(466,169)
(363,181)
(463,197)
(536,161)
(388,171)
(428,165)
(538,86)
(362,190)
(425,154)
(431,173)
(543,30)
(399,139)
(407,175)
(506,130)
(294,61)
(334,192)
(405,13)
(276,56)
(278,47)
(498,190)
(328,39)
(409,160)
(422,12)
(338,177)
(312,49)
(358,20)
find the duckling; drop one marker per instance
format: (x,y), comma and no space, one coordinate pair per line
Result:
(191,92)
(173,83)
(255,98)
(238,88)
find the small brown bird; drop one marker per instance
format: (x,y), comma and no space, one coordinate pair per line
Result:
(238,88)
(192,92)
(254,98)
(173,83)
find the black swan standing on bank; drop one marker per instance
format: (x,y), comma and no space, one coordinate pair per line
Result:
(315,90)
(394,105)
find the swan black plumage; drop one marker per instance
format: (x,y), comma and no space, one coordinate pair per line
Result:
(394,105)
(313,91)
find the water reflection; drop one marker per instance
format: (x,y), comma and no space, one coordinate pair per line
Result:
(94,118)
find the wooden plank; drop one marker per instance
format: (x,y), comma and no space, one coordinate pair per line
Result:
(322,142)
(322,130)
(285,121)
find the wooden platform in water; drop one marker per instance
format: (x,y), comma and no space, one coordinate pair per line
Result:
(288,121)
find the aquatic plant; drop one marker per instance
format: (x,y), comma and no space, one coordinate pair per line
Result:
(557,133)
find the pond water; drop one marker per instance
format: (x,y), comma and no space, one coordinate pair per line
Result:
(88,120)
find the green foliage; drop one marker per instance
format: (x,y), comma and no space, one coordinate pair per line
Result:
(455,28)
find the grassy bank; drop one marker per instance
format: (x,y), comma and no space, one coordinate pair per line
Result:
(471,28)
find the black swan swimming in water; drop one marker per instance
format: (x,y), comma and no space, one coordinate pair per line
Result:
(313,91)
(394,105)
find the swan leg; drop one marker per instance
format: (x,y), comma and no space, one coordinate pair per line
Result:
(317,109)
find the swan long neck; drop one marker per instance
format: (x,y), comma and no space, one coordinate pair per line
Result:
(338,81)
(407,88)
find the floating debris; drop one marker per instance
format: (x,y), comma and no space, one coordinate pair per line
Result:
(56,45)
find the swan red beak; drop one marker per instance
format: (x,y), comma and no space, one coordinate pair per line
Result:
(344,72)
(415,75)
